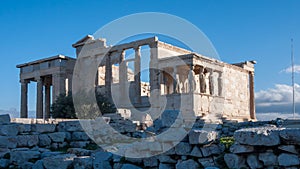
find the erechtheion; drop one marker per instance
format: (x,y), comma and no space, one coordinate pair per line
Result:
(175,74)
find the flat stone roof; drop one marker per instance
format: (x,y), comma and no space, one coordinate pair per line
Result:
(45,60)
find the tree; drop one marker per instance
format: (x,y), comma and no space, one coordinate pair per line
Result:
(63,107)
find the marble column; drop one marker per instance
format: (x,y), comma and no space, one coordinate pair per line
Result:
(211,82)
(175,80)
(122,77)
(47,101)
(137,74)
(252,99)
(24,99)
(154,72)
(58,85)
(108,76)
(39,98)
(220,84)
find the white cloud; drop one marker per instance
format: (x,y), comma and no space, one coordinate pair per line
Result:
(277,99)
(289,69)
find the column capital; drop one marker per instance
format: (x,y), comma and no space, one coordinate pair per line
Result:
(153,45)
(25,81)
(137,48)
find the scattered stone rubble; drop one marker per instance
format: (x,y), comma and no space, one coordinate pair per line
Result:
(65,145)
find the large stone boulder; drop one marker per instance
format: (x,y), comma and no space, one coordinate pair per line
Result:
(260,136)
(102,160)
(202,136)
(9,130)
(234,161)
(286,160)
(57,136)
(183,148)
(189,164)
(253,162)
(27,140)
(4,119)
(23,156)
(84,162)
(268,158)
(291,135)
(43,128)
(59,161)
(8,142)
(238,148)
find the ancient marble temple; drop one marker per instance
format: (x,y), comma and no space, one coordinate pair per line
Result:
(178,79)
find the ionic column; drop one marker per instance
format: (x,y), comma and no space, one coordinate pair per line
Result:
(108,76)
(24,99)
(175,80)
(137,73)
(220,84)
(39,98)
(252,99)
(47,101)
(154,72)
(122,75)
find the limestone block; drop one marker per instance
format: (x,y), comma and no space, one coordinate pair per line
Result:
(212,149)
(38,165)
(44,140)
(57,137)
(27,140)
(4,163)
(80,136)
(20,157)
(238,148)
(50,154)
(63,161)
(4,119)
(130,166)
(78,144)
(291,135)
(150,162)
(43,128)
(286,160)
(79,151)
(69,126)
(266,136)
(196,152)
(9,130)
(183,148)
(234,161)
(253,162)
(166,159)
(24,128)
(84,162)
(268,158)
(8,142)
(4,151)
(102,160)
(206,162)
(191,164)
(165,166)
(201,136)
(288,148)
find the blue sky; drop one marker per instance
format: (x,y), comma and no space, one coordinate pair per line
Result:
(240,30)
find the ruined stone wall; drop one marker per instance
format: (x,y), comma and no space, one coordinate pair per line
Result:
(65,145)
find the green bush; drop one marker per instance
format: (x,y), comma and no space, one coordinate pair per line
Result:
(63,107)
(227,141)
